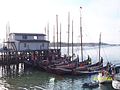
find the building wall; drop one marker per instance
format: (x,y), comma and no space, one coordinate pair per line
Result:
(14,37)
(29,37)
(33,46)
(29,45)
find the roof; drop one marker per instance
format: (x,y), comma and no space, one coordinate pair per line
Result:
(33,41)
(30,34)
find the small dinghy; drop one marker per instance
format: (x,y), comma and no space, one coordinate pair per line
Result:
(90,85)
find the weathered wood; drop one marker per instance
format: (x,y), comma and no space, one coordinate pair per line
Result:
(16,57)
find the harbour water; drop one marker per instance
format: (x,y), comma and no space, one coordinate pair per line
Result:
(19,78)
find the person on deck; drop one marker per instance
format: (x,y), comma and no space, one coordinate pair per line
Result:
(89,59)
(101,59)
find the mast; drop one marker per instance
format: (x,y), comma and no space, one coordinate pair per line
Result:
(99,46)
(60,36)
(45,31)
(54,36)
(57,29)
(48,31)
(72,40)
(81,34)
(7,33)
(68,30)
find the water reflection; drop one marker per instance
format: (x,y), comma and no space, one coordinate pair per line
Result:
(11,70)
(17,77)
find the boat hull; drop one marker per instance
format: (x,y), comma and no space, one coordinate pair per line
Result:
(116,84)
(59,71)
(104,79)
(84,72)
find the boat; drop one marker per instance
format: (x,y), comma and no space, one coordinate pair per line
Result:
(75,63)
(104,77)
(109,74)
(91,68)
(68,66)
(116,82)
(116,78)
(58,70)
(90,85)
(86,72)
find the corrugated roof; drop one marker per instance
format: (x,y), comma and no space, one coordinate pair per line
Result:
(30,34)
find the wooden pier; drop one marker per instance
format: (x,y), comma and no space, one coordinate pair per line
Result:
(8,57)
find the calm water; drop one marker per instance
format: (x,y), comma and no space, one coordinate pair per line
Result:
(18,78)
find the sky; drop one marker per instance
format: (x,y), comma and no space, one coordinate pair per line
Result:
(32,16)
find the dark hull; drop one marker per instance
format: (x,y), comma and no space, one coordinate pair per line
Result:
(88,69)
(59,71)
(92,67)
(85,72)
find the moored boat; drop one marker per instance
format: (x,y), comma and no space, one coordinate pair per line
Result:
(116,78)
(116,82)
(104,77)
(58,70)
(86,72)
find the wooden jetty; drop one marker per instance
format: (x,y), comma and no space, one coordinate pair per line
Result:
(8,57)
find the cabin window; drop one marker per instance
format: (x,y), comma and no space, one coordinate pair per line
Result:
(40,47)
(12,37)
(35,37)
(24,37)
(43,44)
(25,44)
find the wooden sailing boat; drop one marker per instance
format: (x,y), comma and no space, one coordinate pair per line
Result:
(103,76)
(66,68)
(83,62)
(88,61)
(74,63)
(90,68)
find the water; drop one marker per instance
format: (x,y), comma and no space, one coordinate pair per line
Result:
(18,78)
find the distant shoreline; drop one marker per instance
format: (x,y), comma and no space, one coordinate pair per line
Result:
(79,44)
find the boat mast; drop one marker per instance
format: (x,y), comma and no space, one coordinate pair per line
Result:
(54,36)
(7,34)
(99,46)
(57,29)
(68,30)
(48,31)
(45,30)
(60,36)
(72,40)
(81,34)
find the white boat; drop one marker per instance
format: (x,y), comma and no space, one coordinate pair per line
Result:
(116,82)
(104,77)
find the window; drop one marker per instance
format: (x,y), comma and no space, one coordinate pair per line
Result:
(43,44)
(35,37)
(12,37)
(25,44)
(24,37)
